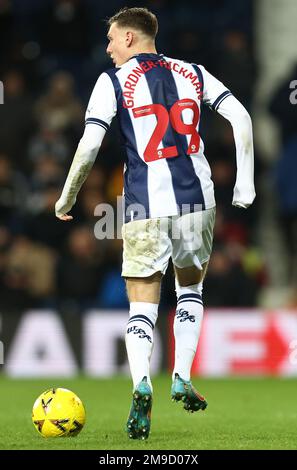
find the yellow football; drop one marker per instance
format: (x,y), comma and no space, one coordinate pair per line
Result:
(58,412)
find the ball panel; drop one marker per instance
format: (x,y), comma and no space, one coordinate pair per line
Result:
(58,412)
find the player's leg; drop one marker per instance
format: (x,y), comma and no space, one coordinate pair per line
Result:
(144,295)
(145,259)
(187,326)
(188,317)
(190,265)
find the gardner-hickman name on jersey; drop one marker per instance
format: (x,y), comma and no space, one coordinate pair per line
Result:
(145,66)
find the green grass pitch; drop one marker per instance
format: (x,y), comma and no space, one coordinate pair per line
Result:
(242,414)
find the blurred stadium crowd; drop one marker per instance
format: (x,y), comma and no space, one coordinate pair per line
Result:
(51,53)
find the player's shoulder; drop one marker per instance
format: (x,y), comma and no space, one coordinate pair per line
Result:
(107,77)
(111,72)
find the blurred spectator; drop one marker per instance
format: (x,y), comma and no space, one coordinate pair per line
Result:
(28,278)
(6,30)
(223,175)
(59,109)
(236,55)
(49,141)
(89,200)
(5,242)
(286,171)
(227,283)
(64,27)
(92,194)
(80,270)
(16,123)
(282,109)
(47,172)
(113,290)
(254,265)
(188,45)
(42,225)
(13,192)
(115,187)
(95,180)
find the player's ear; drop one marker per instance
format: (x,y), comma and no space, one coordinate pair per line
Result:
(129,38)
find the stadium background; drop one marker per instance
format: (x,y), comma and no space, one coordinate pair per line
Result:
(63,305)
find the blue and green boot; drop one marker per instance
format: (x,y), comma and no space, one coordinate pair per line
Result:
(139,419)
(183,390)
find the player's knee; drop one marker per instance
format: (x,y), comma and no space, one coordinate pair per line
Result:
(144,289)
(190,275)
(147,279)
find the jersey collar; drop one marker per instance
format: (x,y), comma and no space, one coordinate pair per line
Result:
(146,55)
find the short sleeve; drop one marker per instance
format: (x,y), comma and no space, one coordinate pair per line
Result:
(102,105)
(214,91)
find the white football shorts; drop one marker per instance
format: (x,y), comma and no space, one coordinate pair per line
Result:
(148,244)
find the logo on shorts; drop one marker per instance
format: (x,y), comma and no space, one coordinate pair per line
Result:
(139,331)
(183,315)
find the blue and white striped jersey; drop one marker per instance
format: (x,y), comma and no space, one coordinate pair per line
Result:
(158,103)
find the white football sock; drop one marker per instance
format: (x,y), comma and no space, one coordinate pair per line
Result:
(186,327)
(139,339)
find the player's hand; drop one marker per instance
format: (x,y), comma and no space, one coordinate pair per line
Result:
(61,209)
(65,217)
(243,197)
(240,205)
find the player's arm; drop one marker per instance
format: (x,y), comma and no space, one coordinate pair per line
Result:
(100,111)
(221,100)
(244,189)
(82,163)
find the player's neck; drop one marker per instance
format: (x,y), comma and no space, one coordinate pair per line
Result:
(144,50)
